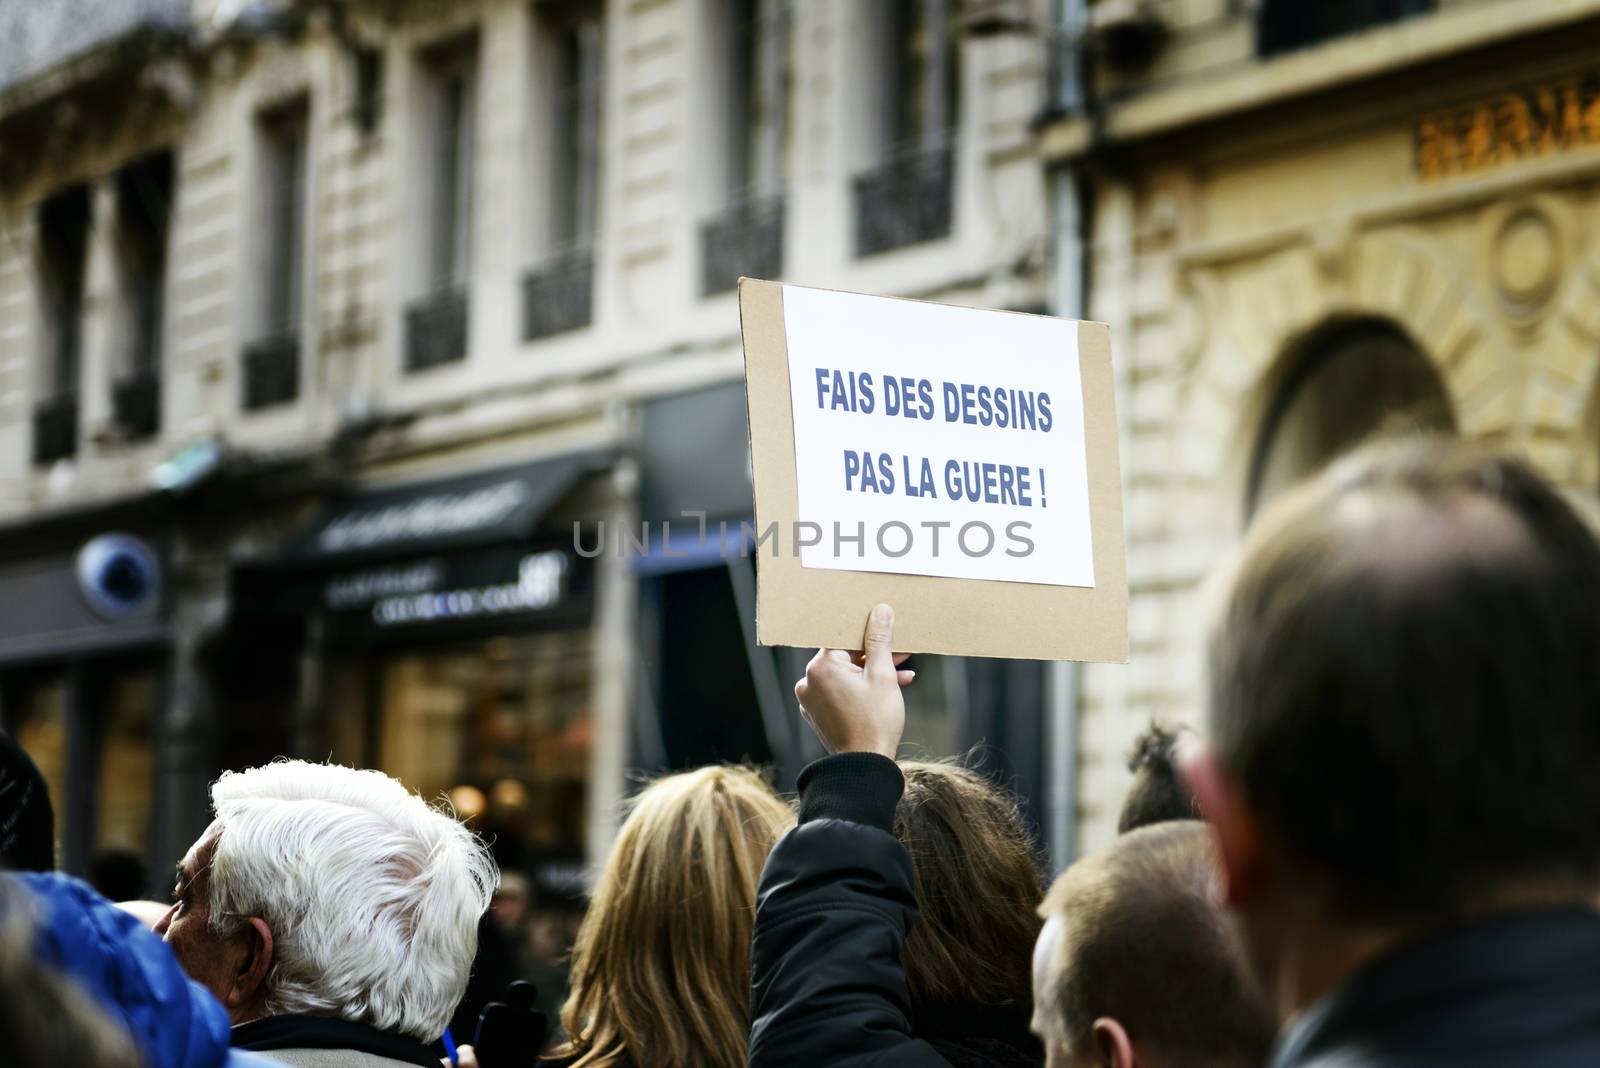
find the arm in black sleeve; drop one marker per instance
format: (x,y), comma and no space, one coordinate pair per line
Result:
(835,904)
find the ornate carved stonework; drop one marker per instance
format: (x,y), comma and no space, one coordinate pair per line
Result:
(1526,257)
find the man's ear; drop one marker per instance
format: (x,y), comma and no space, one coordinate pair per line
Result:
(1111,1046)
(1221,802)
(250,974)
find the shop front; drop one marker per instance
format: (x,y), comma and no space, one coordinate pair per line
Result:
(84,668)
(444,636)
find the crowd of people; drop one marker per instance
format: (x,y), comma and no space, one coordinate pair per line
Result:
(1383,851)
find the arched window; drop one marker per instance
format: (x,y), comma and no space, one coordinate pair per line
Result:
(1346,382)
(1284,25)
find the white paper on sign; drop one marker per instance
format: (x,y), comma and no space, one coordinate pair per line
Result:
(985,478)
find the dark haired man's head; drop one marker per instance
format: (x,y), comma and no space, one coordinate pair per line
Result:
(1137,963)
(1157,794)
(27,820)
(1403,697)
(979,884)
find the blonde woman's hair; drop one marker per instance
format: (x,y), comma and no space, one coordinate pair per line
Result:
(661,966)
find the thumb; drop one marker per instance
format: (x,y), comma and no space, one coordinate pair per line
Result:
(877,659)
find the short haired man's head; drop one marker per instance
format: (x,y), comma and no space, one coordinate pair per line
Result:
(1403,692)
(329,891)
(1137,962)
(1157,794)
(978,885)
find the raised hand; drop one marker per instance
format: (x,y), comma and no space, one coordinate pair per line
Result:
(853,700)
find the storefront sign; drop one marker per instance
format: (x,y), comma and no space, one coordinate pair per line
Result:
(428,516)
(958,463)
(119,577)
(540,584)
(493,507)
(361,588)
(1510,127)
(444,559)
(63,604)
(512,586)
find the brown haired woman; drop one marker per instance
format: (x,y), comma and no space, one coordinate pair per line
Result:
(895,924)
(978,885)
(661,966)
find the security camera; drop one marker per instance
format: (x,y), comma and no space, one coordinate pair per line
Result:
(119,577)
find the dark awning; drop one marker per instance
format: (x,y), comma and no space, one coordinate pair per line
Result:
(489,507)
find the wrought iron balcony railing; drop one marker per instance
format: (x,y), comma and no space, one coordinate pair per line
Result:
(136,404)
(436,329)
(558,295)
(906,201)
(55,428)
(271,371)
(746,240)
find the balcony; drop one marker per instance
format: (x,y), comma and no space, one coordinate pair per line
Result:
(44,36)
(558,295)
(436,330)
(904,202)
(745,241)
(55,429)
(136,404)
(271,372)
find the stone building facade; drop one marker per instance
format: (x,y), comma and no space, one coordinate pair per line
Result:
(1308,223)
(283,282)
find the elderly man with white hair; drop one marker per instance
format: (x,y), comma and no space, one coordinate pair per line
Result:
(332,912)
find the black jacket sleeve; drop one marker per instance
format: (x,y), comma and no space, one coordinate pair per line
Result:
(833,910)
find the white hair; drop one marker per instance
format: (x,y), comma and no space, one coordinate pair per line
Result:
(373,897)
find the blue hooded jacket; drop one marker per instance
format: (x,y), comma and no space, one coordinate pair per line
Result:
(132,975)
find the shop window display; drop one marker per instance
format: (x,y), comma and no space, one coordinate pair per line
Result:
(126,763)
(500,728)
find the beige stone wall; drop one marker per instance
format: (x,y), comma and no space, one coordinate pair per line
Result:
(1212,259)
(18,304)
(652,331)
(88,149)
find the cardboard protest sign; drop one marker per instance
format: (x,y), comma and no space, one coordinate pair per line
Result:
(960,464)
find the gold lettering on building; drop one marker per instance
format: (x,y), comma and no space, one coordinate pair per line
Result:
(1507,128)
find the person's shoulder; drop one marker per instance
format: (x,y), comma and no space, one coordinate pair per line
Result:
(126,970)
(329,1058)
(986,1052)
